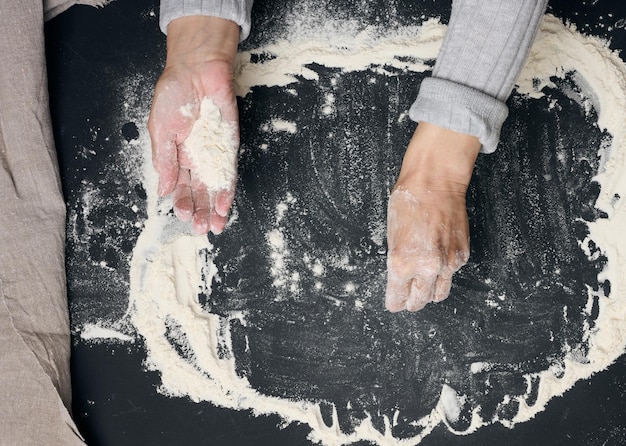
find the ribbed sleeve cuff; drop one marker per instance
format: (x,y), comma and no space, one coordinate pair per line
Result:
(461,109)
(236,10)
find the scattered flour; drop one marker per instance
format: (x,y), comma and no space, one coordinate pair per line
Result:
(560,50)
(450,404)
(212,148)
(408,49)
(328,108)
(284,278)
(171,266)
(280,125)
(98,332)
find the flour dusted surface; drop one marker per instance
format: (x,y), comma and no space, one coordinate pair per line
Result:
(301,271)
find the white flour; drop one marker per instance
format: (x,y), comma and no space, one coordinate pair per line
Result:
(211,147)
(280,125)
(97,332)
(284,277)
(406,49)
(169,263)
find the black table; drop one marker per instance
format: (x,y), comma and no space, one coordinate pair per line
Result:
(115,402)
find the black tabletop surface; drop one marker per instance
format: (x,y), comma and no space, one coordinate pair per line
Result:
(102,61)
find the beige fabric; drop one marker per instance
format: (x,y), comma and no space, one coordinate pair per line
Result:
(34,328)
(32,411)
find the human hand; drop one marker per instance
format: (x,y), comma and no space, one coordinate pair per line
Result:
(200,57)
(427,225)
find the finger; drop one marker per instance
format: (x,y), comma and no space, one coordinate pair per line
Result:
(218,223)
(399,275)
(422,292)
(168,125)
(461,258)
(442,287)
(458,257)
(224,201)
(164,152)
(201,222)
(397,293)
(183,157)
(227,103)
(202,208)
(401,265)
(165,162)
(183,200)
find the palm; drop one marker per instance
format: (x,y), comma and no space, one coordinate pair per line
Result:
(176,105)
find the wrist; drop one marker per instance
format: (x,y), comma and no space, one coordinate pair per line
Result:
(439,159)
(196,40)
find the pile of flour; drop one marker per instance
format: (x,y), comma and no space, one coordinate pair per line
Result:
(212,148)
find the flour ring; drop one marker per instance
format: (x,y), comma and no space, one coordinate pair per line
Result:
(211,373)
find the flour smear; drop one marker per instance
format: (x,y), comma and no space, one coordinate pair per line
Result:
(191,348)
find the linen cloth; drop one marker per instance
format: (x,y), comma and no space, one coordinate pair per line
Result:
(35,392)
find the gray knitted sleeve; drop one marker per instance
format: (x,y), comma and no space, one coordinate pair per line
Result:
(482,54)
(236,10)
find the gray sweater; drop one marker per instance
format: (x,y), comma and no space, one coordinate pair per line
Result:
(482,54)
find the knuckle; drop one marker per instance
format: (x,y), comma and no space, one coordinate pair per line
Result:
(424,264)
(398,265)
(417,301)
(430,266)
(457,259)
(443,288)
